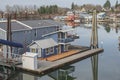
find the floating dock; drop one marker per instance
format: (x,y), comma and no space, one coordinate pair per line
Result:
(46,66)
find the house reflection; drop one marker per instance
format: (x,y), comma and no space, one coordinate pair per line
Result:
(63,73)
(116,26)
(72,24)
(8,74)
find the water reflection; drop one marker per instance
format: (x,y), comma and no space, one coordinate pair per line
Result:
(64,73)
(7,74)
(72,24)
(116,26)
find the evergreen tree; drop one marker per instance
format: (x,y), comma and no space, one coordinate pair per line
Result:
(72,6)
(116,5)
(53,9)
(107,4)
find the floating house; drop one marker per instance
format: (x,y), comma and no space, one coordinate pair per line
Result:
(24,32)
(101,17)
(44,48)
(63,38)
(53,43)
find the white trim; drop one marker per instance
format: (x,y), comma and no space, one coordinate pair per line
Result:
(6,21)
(50,33)
(23,24)
(3,30)
(67,30)
(57,32)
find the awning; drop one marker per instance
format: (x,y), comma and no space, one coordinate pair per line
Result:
(13,44)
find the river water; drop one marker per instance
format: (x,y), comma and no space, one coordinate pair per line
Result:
(109,60)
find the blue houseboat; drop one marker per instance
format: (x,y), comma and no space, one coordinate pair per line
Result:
(44,48)
(53,43)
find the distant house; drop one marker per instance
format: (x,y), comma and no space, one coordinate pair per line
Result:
(87,8)
(106,9)
(85,17)
(115,17)
(101,16)
(44,48)
(25,32)
(1,14)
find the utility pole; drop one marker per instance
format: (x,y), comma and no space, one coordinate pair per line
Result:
(94,45)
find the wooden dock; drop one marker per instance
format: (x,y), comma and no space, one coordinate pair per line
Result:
(48,66)
(75,54)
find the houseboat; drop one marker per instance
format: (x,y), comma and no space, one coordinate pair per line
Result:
(24,32)
(73,16)
(53,43)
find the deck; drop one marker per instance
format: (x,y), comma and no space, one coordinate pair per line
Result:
(53,63)
(48,66)
(72,50)
(61,55)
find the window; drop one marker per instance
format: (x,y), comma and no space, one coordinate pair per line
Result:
(35,33)
(49,50)
(33,50)
(1,49)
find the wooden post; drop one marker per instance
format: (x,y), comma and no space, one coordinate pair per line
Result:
(9,37)
(94,45)
(94,36)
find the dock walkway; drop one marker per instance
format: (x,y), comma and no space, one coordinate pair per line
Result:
(47,66)
(61,55)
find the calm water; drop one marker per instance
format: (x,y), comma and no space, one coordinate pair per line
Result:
(109,60)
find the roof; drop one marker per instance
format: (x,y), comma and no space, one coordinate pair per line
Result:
(28,24)
(63,31)
(14,26)
(41,23)
(66,30)
(45,43)
(85,15)
(13,44)
(29,54)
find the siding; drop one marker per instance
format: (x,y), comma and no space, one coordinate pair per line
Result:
(43,54)
(26,37)
(3,36)
(53,36)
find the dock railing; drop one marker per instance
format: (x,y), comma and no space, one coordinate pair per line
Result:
(12,57)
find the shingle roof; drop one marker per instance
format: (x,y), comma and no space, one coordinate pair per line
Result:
(14,26)
(41,23)
(29,24)
(45,43)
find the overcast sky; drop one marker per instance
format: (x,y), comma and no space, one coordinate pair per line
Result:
(61,3)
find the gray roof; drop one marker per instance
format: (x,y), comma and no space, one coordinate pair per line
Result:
(14,26)
(45,43)
(29,24)
(41,23)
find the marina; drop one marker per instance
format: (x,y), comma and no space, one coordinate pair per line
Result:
(74,40)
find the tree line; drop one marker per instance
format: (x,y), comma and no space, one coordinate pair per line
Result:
(53,9)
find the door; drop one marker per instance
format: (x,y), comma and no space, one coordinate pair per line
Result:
(39,52)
